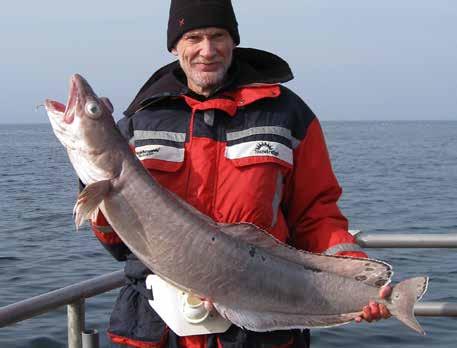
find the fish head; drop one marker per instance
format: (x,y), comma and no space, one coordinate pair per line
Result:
(86,127)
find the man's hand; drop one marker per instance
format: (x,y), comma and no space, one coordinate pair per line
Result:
(208,304)
(376,311)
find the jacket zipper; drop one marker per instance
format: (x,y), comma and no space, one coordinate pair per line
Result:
(216,174)
(188,155)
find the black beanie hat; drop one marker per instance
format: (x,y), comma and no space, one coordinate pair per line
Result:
(186,15)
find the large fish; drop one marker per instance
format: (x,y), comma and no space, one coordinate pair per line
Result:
(254,280)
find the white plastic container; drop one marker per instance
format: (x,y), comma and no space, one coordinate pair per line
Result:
(184,313)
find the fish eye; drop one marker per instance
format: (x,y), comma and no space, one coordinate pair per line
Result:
(93,109)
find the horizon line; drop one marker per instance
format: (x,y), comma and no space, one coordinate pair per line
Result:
(320,120)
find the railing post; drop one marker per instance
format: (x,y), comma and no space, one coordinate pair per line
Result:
(75,313)
(90,339)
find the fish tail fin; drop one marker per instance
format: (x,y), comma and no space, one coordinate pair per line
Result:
(403,298)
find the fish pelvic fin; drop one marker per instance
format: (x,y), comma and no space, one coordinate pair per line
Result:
(403,298)
(89,200)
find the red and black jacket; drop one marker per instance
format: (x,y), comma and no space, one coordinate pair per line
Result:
(252,152)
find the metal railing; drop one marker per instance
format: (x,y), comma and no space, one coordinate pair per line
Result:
(74,295)
(393,240)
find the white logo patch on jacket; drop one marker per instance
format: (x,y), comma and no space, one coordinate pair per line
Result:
(160,145)
(277,142)
(160,152)
(259,148)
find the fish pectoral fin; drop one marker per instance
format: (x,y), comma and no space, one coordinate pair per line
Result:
(89,200)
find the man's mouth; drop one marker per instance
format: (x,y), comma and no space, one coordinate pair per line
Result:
(207,67)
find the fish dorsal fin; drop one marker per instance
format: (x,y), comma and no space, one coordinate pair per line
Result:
(371,272)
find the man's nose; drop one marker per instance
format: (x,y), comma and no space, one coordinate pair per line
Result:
(207,49)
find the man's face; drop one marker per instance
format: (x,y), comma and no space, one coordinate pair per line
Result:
(205,56)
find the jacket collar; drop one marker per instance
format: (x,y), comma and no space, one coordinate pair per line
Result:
(250,67)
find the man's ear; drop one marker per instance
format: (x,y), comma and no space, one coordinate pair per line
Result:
(174,51)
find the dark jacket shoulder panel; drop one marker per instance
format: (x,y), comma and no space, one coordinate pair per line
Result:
(125,127)
(301,115)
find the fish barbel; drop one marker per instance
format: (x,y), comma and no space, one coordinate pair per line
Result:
(254,280)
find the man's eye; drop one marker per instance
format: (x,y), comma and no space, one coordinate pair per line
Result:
(217,36)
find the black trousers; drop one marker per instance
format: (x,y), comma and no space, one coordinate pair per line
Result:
(238,338)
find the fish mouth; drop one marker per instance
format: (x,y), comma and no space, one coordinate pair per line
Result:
(72,101)
(54,106)
(59,111)
(77,88)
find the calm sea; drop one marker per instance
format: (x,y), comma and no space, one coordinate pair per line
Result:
(397,177)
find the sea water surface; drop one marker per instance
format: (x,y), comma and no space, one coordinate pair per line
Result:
(398,177)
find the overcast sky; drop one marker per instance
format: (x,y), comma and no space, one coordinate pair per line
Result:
(352,59)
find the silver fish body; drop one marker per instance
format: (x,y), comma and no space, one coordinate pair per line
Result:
(255,281)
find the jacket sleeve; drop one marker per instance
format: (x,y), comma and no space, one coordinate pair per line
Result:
(316,223)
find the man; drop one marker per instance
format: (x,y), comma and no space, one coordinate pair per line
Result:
(218,130)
